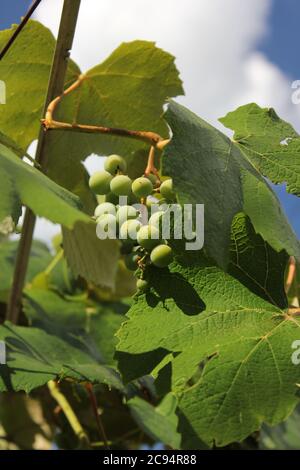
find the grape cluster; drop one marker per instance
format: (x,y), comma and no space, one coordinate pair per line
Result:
(141,244)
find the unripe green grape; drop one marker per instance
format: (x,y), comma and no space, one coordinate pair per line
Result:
(152,178)
(131,261)
(161,256)
(130,229)
(120,185)
(142,285)
(166,189)
(142,187)
(115,163)
(148,237)
(99,182)
(126,213)
(105,208)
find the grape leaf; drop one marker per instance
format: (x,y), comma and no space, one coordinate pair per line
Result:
(34,357)
(26,77)
(127,90)
(40,257)
(227,351)
(207,168)
(22,183)
(159,422)
(94,259)
(270,144)
(77,322)
(25,70)
(267,217)
(254,262)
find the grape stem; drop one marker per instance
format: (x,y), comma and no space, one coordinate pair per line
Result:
(294,311)
(50,124)
(150,168)
(93,400)
(291,274)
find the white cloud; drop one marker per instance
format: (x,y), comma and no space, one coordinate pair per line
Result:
(214,43)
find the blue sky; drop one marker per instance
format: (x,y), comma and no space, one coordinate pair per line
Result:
(278,44)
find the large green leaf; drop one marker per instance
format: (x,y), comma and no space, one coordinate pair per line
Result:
(208,168)
(270,144)
(25,71)
(26,77)
(22,183)
(87,255)
(127,90)
(94,259)
(255,263)
(40,257)
(198,160)
(224,351)
(34,357)
(159,422)
(79,322)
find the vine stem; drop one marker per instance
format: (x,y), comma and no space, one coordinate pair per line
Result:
(150,168)
(291,274)
(50,124)
(144,136)
(68,412)
(16,33)
(93,400)
(56,84)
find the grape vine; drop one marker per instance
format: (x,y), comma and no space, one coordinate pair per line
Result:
(167,308)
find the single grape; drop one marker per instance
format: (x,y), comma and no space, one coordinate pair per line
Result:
(161,256)
(99,182)
(129,229)
(148,237)
(142,187)
(105,208)
(142,285)
(126,213)
(152,178)
(115,163)
(120,185)
(166,189)
(131,261)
